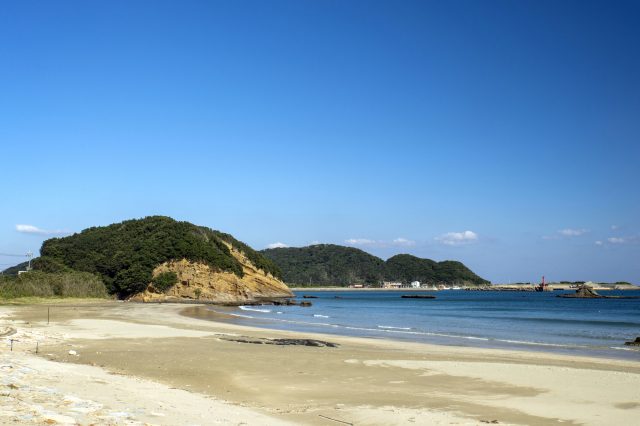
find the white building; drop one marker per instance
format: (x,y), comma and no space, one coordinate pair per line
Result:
(387,284)
(415,284)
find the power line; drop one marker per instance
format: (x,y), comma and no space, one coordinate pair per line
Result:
(14,255)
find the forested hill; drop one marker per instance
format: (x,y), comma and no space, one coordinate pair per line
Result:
(328,264)
(125,254)
(406,268)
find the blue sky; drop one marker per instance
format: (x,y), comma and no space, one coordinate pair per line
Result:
(502,134)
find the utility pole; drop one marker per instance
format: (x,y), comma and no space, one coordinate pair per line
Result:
(30,256)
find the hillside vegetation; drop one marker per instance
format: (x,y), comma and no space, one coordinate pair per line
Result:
(125,254)
(328,264)
(43,284)
(406,268)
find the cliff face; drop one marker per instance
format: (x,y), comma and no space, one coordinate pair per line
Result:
(199,282)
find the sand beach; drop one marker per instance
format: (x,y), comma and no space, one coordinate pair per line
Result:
(127,363)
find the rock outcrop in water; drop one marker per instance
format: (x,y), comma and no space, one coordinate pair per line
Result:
(583,292)
(417,296)
(634,342)
(587,292)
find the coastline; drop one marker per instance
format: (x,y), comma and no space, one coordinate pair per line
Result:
(500,287)
(364,380)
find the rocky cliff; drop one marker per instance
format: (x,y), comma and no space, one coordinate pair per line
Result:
(182,260)
(199,282)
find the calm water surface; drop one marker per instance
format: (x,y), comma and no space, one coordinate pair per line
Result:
(513,320)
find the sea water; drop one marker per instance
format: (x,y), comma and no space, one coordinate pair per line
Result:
(512,320)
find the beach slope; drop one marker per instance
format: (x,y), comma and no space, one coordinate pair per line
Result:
(170,364)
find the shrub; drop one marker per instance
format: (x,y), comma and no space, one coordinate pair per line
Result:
(42,284)
(165,280)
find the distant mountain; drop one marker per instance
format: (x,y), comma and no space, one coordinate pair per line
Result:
(13,270)
(326,264)
(130,255)
(329,264)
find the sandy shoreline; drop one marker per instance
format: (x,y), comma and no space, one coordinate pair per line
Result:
(137,364)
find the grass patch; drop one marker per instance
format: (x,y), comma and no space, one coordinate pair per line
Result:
(44,285)
(31,300)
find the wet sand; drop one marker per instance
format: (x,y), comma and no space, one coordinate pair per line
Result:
(178,348)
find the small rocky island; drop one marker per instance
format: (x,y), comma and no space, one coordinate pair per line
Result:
(587,292)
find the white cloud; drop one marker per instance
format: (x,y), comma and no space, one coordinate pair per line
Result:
(572,232)
(314,243)
(404,242)
(360,242)
(458,238)
(277,245)
(30,229)
(631,239)
(566,233)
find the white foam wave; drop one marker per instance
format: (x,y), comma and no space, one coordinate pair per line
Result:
(241,316)
(247,308)
(388,327)
(524,342)
(320,316)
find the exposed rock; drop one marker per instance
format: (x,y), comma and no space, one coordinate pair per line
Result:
(583,292)
(305,304)
(283,302)
(285,342)
(634,342)
(197,282)
(305,342)
(587,292)
(306,296)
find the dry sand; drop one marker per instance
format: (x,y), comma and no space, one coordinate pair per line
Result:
(137,364)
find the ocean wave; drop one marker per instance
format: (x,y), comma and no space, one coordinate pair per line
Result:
(241,316)
(388,327)
(558,320)
(247,308)
(320,316)
(525,342)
